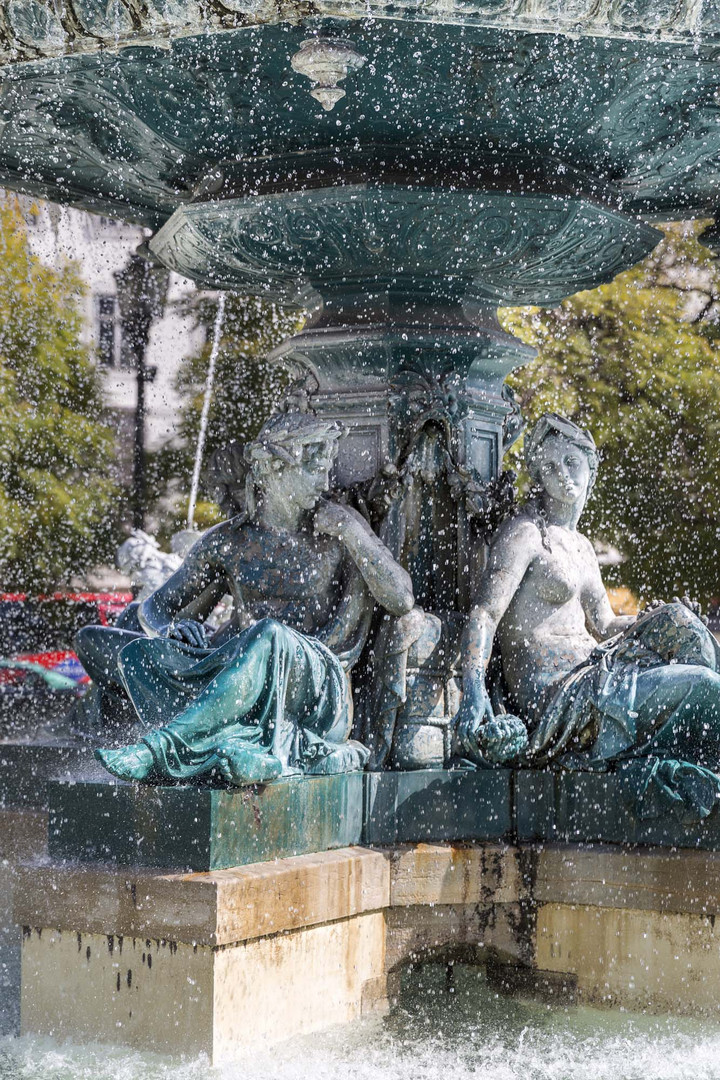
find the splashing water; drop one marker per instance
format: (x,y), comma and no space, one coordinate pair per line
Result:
(433,1034)
(217,333)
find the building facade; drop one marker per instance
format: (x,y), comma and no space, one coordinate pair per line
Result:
(102,247)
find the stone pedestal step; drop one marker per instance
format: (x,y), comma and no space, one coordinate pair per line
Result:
(245,957)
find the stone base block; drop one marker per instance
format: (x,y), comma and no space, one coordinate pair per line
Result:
(654,961)
(224,961)
(590,807)
(215,963)
(23,837)
(174,997)
(216,909)
(646,879)
(441,874)
(632,928)
(437,804)
(594,806)
(194,828)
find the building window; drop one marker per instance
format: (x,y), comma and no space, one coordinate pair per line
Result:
(108,330)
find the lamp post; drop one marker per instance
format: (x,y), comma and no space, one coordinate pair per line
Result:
(141,290)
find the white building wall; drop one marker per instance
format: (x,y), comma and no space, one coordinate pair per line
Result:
(101,247)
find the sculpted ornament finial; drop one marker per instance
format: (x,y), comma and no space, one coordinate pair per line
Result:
(326,62)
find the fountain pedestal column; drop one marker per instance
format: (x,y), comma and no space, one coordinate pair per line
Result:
(428,418)
(403,346)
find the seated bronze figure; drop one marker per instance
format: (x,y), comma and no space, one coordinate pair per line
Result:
(582,686)
(268,693)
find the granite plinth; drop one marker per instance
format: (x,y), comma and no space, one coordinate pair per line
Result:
(437,805)
(26,769)
(596,807)
(199,829)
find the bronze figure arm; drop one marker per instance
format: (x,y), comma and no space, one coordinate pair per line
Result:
(389,584)
(191,592)
(514,548)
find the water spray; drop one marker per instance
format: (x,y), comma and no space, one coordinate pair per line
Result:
(217,331)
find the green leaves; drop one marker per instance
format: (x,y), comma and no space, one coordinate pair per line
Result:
(638,362)
(57,495)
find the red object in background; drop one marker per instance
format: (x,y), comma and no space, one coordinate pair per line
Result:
(64,662)
(29,630)
(108,604)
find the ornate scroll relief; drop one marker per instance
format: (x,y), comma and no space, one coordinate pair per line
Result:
(89,23)
(107,136)
(536,249)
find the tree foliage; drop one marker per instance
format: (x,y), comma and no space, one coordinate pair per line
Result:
(246,390)
(638,363)
(56,488)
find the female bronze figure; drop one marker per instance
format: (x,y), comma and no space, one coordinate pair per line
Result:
(268,695)
(582,686)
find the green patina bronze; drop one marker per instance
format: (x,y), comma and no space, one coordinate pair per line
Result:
(646,699)
(204,828)
(267,695)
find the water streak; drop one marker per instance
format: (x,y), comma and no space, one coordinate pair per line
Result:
(217,333)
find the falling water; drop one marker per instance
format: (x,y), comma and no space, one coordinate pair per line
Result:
(217,333)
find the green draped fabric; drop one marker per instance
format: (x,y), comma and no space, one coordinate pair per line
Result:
(270,701)
(647,701)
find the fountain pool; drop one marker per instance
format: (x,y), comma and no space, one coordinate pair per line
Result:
(439,1028)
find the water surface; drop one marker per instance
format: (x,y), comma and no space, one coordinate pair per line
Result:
(433,1034)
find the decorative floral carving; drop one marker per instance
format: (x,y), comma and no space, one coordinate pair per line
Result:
(35,24)
(488,504)
(531,250)
(104,18)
